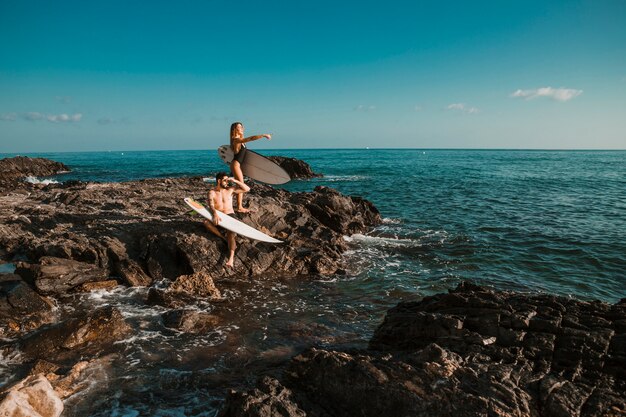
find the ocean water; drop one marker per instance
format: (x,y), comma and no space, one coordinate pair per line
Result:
(536,221)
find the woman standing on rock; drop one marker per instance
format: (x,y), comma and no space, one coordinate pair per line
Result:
(237,144)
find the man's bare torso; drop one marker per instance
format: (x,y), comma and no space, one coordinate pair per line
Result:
(223,199)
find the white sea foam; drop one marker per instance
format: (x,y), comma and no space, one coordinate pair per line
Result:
(35,180)
(141,336)
(208,179)
(382,241)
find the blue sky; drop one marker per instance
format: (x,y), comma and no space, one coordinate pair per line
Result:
(78,76)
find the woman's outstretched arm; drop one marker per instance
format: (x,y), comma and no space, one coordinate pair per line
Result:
(251,138)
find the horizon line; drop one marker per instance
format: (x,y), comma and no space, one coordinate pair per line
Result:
(331,149)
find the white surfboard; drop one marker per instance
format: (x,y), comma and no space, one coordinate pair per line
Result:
(231,224)
(256,166)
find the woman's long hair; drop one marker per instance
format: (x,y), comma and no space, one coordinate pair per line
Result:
(233,127)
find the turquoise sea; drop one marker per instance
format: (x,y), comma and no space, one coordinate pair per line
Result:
(547,221)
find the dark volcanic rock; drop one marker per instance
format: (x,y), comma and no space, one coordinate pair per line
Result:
(90,335)
(12,170)
(23,166)
(200,284)
(270,399)
(190,321)
(21,308)
(296,168)
(472,352)
(59,276)
(141,231)
(97,286)
(169,299)
(124,267)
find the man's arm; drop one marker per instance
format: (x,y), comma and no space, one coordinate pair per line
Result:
(216,217)
(243,188)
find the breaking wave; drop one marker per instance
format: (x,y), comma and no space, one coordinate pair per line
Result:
(35,180)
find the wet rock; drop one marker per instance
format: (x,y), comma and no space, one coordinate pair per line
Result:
(9,277)
(72,382)
(82,375)
(59,276)
(121,265)
(97,286)
(199,284)
(42,366)
(190,321)
(296,168)
(85,336)
(169,299)
(338,213)
(68,381)
(12,169)
(21,308)
(32,397)
(471,352)
(269,399)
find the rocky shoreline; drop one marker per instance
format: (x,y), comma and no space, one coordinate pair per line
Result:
(471,352)
(75,237)
(83,236)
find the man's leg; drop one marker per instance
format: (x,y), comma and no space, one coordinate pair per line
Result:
(213,229)
(232,245)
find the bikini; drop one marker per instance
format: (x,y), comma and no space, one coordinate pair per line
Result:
(240,156)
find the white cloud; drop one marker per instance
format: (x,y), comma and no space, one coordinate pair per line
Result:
(33,116)
(8,117)
(58,118)
(558,94)
(362,107)
(462,107)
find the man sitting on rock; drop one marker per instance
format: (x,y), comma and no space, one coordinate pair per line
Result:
(221,198)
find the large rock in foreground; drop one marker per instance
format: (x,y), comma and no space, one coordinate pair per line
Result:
(472,352)
(33,397)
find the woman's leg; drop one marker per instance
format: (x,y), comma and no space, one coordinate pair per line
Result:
(235,168)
